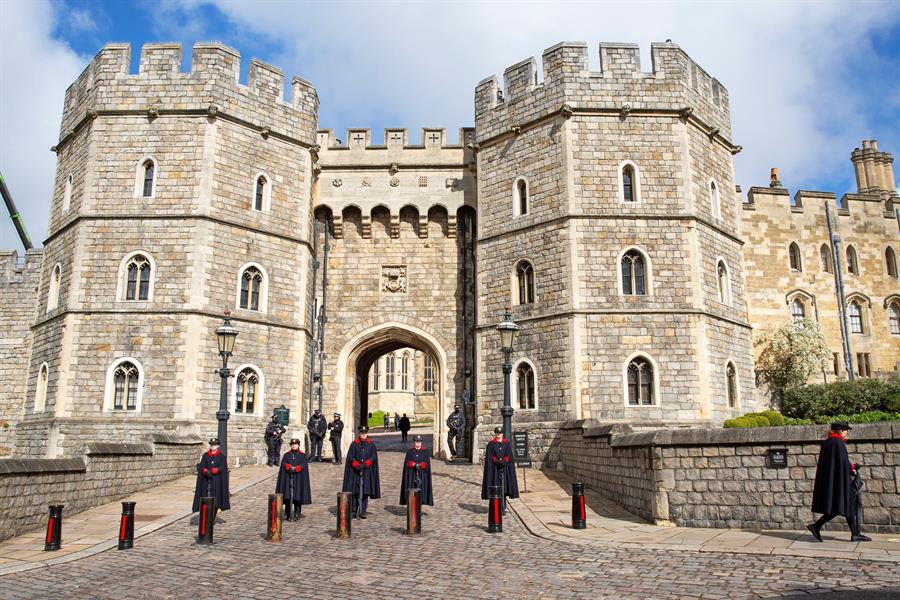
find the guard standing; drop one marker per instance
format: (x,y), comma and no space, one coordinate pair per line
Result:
(212,478)
(361,473)
(499,467)
(833,493)
(417,473)
(317,426)
(337,429)
(456,422)
(293,481)
(274,431)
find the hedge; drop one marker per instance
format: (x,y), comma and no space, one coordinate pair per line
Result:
(841,398)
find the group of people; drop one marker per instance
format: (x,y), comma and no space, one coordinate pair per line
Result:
(317,426)
(401,424)
(362,477)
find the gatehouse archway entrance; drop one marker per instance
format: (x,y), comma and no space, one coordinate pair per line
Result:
(354,368)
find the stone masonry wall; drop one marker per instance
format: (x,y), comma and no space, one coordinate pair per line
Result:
(719,477)
(106,472)
(18,295)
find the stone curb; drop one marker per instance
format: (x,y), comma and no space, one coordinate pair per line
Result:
(537,528)
(114,542)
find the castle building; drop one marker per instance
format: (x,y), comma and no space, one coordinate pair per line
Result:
(599,207)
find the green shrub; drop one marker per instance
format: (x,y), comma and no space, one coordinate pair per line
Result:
(740,423)
(793,421)
(892,404)
(377,419)
(776,419)
(841,397)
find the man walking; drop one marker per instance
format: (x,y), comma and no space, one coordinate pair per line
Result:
(833,493)
(274,431)
(361,477)
(337,429)
(396,422)
(404,426)
(456,423)
(317,426)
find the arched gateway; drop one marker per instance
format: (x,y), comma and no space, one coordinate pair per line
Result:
(364,348)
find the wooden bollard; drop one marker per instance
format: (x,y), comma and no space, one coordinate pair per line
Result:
(344,516)
(413,512)
(273,523)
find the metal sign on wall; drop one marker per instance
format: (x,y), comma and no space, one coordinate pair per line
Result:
(520,449)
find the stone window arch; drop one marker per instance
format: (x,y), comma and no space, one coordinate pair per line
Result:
(390,369)
(376,374)
(890,262)
(893,310)
(825,258)
(124,386)
(252,288)
(856,314)
(248,384)
(67,192)
(404,371)
(732,389)
(629,182)
(40,388)
(428,374)
(634,272)
(524,388)
(145,176)
(523,290)
(521,197)
(798,309)
(714,199)
(723,281)
(53,289)
(137,273)
(852,260)
(640,376)
(262,193)
(796,261)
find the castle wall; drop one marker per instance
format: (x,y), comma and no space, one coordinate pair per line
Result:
(771,222)
(18,289)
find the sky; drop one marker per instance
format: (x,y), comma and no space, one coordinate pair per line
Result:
(807,81)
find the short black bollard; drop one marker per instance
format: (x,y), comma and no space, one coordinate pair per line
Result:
(207,520)
(54,528)
(126,527)
(413,512)
(344,518)
(273,525)
(579,519)
(495,510)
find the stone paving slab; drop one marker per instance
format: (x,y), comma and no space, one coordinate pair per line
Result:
(546,510)
(96,529)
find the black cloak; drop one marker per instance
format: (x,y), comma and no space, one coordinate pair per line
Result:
(417,458)
(498,458)
(404,424)
(215,483)
(831,493)
(294,484)
(355,463)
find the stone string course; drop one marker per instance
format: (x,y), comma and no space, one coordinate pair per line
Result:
(106,471)
(719,478)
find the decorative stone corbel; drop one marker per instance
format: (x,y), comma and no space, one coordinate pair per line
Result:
(685,113)
(91,114)
(736,150)
(713,133)
(54,149)
(152,113)
(212,111)
(566,111)
(394,169)
(516,129)
(473,146)
(265,131)
(625,111)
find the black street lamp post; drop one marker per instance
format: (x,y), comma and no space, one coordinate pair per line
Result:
(225,336)
(508,330)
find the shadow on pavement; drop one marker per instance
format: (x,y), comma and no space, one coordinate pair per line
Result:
(474,508)
(883,594)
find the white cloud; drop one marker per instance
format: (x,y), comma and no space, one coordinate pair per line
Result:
(35,71)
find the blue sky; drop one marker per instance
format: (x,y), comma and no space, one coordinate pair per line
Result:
(807,80)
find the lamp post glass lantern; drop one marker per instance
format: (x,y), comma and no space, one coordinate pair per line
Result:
(225,336)
(508,330)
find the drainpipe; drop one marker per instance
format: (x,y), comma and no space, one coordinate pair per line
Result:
(839,292)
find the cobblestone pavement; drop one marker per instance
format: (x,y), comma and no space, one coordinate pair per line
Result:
(454,557)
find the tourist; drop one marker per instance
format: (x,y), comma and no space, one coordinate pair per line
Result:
(404,427)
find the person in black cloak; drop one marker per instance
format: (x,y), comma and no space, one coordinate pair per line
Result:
(499,468)
(833,493)
(361,473)
(212,478)
(404,427)
(293,481)
(417,473)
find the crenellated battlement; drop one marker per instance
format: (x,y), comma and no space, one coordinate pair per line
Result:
(16,270)
(805,201)
(212,85)
(675,83)
(394,138)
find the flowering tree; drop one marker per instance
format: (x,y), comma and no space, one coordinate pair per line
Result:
(790,354)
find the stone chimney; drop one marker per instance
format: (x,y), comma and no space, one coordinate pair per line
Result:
(874,169)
